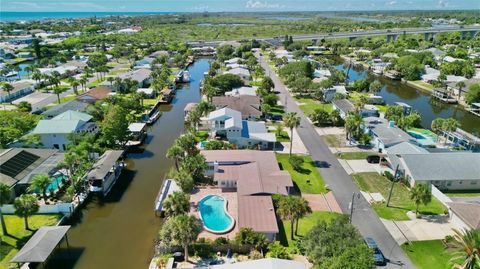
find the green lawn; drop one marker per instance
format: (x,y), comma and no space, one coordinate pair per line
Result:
(201,136)
(308,105)
(277,110)
(400,202)
(309,172)
(421,84)
(149,102)
(334,141)
(11,244)
(304,225)
(473,193)
(353,155)
(430,254)
(382,108)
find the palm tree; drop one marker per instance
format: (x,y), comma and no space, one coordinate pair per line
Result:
(26,205)
(420,194)
(8,88)
(291,121)
(75,85)
(177,203)
(37,76)
(5,196)
(181,230)
(176,153)
(303,209)
(287,209)
(449,125)
(40,182)
(83,82)
(468,243)
(193,118)
(209,91)
(57,90)
(352,125)
(110,79)
(460,86)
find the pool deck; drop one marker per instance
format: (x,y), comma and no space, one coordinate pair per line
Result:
(232,208)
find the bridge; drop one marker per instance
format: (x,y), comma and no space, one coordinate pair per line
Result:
(390,34)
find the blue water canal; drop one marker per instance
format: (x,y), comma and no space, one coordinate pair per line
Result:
(430,109)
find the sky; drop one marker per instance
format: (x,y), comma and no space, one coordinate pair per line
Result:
(230,5)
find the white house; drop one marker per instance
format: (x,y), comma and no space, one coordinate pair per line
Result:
(228,123)
(329,94)
(243,73)
(54,133)
(252,91)
(20,88)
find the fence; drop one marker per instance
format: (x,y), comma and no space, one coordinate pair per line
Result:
(60,208)
(440,196)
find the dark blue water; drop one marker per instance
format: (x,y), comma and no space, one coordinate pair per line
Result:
(39,16)
(429,109)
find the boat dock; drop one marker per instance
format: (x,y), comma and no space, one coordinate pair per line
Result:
(169,186)
(444,96)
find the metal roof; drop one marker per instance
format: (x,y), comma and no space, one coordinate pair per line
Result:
(103,165)
(41,244)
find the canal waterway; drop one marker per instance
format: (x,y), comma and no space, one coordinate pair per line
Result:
(429,108)
(119,231)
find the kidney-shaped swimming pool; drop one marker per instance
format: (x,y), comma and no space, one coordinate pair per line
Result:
(213,212)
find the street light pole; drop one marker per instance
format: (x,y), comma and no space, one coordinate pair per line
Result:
(393,182)
(351,207)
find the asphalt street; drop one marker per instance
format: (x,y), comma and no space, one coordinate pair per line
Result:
(342,185)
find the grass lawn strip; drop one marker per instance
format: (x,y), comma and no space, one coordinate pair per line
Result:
(10,245)
(304,225)
(400,202)
(429,254)
(308,105)
(362,155)
(309,172)
(334,141)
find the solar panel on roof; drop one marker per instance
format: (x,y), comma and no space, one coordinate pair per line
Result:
(18,163)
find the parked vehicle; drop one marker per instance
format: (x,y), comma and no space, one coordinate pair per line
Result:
(373,159)
(377,254)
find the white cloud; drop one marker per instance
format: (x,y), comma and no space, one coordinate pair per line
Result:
(443,3)
(393,2)
(261,5)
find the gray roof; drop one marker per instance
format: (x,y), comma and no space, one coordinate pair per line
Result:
(468,212)
(406,148)
(103,165)
(389,136)
(246,104)
(344,105)
(41,244)
(442,166)
(65,123)
(59,109)
(267,263)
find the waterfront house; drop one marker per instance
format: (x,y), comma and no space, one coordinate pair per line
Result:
(244,90)
(462,138)
(243,73)
(105,172)
(329,94)
(148,93)
(247,105)
(138,132)
(54,133)
(254,176)
(266,263)
(445,170)
(384,133)
(18,166)
(20,88)
(228,123)
(142,76)
(64,71)
(344,106)
(73,105)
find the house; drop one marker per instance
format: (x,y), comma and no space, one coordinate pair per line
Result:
(142,76)
(266,263)
(64,71)
(329,94)
(235,60)
(252,91)
(344,106)
(463,139)
(445,170)
(228,123)
(188,108)
(95,94)
(369,111)
(407,109)
(384,133)
(465,216)
(147,92)
(437,54)
(38,100)
(54,133)
(243,73)
(18,166)
(80,65)
(247,105)
(105,172)
(375,99)
(20,88)
(235,65)
(73,105)
(254,176)
(320,73)
(138,131)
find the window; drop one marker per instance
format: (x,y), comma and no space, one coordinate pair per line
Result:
(473,183)
(449,183)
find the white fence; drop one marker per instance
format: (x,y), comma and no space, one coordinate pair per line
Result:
(440,196)
(60,208)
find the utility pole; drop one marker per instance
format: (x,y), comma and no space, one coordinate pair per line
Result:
(393,182)
(351,207)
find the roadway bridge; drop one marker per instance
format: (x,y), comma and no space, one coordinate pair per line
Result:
(390,34)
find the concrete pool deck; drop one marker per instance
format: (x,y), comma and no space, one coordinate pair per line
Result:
(232,208)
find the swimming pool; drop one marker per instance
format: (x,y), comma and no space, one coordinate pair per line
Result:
(213,212)
(55,184)
(421,139)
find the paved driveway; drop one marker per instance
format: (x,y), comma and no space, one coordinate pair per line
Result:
(359,166)
(365,219)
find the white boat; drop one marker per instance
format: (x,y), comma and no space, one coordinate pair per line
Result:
(152,119)
(186,77)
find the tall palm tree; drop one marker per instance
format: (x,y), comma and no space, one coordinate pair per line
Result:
(291,121)
(303,209)
(181,230)
(57,90)
(8,88)
(75,85)
(111,79)
(287,209)
(37,76)
(26,205)
(175,153)
(468,243)
(209,92)
(460,86)
(5,196)
(83,82)
(352,125)
(420,194)
(177,203)
(40,182)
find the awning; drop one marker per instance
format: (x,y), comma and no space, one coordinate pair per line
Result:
(41,244)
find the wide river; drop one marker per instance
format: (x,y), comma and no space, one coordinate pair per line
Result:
(119,231)
(430,109)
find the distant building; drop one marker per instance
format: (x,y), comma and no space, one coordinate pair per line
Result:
(95,94)
(20,88)
(252,91)
(329,94)
(73,105)
(243,73)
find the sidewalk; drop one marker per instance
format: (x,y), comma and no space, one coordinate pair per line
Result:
(298,146)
